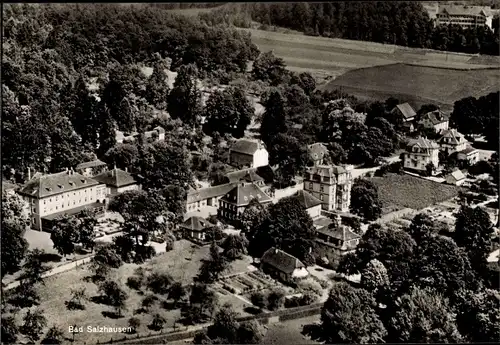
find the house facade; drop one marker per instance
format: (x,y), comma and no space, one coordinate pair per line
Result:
(198,199)
(436,120)
(456,178)
(282,265)
(464,16)
(452,141)
(419,153)
(67,192)
(310,203)
(341,239)
(195,227)
(117,181)
(248,153)
(91,168)
(317,153)
(405,111)
(331,185)
(233,204)
(470,155)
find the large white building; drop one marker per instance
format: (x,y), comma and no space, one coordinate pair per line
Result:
(419,153)
(464,16)
(246,153)
(331,185)
(67,192)
(452,141)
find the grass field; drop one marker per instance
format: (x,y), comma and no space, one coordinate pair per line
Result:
(411,192)
(182,263)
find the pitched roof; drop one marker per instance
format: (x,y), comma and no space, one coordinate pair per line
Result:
(207,193)
(248,175)
(406,110)
(327,170)
(281,260)
(423,142)
(8,186)
(455,136)
(435,117)
(307,200)
(243,193)
(246,146)
(196,223)
(116,178)
(455,10)
(342,233)
(468,150)
(458,175)
(91,164)
(52,184)
(317,151)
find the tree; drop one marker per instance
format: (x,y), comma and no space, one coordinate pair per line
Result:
(348,315)
(114,295)
(258,299)
(212,268)
(374,277)
(177,292)
(202,303)
(107,256)
(235,246)
(157,87)
(54,336)
(364,200)
(473,230)
(34,267)
(249,332)
(134,323)
(305,81)
(34,323)
(270,68)
(78,297)
(64,234)
(276,299)
(287,226)
(159,283)
(291,156)
(184,100)
(253,214)
(422,316)
(274,118)
(228,111)
(122,155)
(422,227)
(224,325)
(158,322)
(14,247)
(9,330)
(26,295)
(84,113)
(87,222)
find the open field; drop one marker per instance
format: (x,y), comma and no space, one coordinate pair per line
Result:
(412,192)
(290,332)
(182,263)
(417,83)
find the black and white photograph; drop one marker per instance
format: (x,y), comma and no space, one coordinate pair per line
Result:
(283,173)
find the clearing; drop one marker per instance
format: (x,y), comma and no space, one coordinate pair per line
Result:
(405,191)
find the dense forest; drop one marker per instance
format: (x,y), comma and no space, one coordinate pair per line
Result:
(401,23)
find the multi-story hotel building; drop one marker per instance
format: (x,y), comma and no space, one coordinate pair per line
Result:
(419,153)
(464,16)
(67,192)
(331,185)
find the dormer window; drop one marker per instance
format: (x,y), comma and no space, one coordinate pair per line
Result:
(71,183)
(60,186)
(83,181)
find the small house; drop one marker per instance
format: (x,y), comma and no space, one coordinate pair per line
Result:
(436,120)
(248,153)
(246,175)
(117,181)
(195,227)
(337,236)
(405,111)
(310,203)
(452,141)
(282,265)
(92,168)
(470,155)
(233,204)
(456,178)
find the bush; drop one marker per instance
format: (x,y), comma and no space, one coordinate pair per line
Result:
(293,302)
(134,323)
(159,282)
(134,283)
(276,299)
(259,299)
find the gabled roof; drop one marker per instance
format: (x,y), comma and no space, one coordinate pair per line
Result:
(91,164)
(52,184)
(196,223)
(455,136)
(115,178)
(247,175)
(207,193)
(456,10)
(468,150)
(317,151)
(281,260)
(435,117)
(307,200)
(327,170)
(406,110)
(423,143)
(246,146)
(342,233)
(458,175)
(243,193)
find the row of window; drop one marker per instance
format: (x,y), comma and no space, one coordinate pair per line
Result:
(62,205)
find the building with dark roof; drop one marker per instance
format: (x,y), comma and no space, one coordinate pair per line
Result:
(117,181)
(470,155)
(92,168)
(233,204)
(317,153)
(60,192)
(405,111)
(436,120)
(248,153)
(336,236)
(195,227)
(245,175)
(282,265)
(310,203)
(198,199)
(452,141)
(420,153)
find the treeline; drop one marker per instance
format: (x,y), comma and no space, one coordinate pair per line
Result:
(400,23)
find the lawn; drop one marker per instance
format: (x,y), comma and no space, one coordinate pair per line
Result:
(182,263)
(405,191)
(437,85)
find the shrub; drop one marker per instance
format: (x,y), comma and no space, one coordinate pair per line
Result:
(134,283)
(134,323)
(276,299)
(159,282)
(259,299)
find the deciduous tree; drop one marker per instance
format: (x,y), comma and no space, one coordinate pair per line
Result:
(364,200)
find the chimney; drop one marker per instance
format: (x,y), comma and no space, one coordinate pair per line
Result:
(126,169)
(113,172)
(275,250)
(29,173)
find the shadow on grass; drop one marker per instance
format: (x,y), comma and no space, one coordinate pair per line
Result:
(50,257)
(99,299)
(253,310)
(111,314)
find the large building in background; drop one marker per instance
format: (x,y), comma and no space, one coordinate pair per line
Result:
(67,192)
(464,16)
(331,185)
(419,153)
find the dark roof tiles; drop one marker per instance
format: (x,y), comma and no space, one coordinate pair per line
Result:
(281,260)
